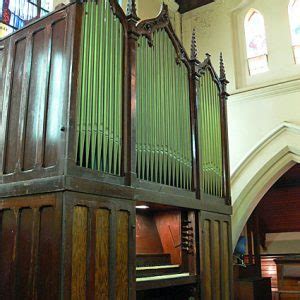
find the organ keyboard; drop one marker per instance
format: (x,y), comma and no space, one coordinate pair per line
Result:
(165,249)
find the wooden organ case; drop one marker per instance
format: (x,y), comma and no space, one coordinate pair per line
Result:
(102,113)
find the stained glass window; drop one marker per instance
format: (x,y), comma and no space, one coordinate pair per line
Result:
(256,44)
(294,15)
(14,14)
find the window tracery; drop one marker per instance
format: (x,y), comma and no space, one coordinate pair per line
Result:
(256,44)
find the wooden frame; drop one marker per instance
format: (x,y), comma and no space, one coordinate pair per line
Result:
(84,187)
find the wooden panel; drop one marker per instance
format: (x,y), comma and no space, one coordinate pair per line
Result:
(268,269)
(122,255)
(2,76)
(207,261)
(253,288)
(216,266)
(288,283)
(24,250)
(79,252)
(226,252)
(279,208)
(102,254)
(147,237)
(8,228)
(14,107)
(35,98)
(169,228)
(185,6)
(36,90)
(56,94)
(49,242)
(216,259)
(30,247)
(96,248)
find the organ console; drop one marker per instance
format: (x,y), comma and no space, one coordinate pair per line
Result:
(165,249)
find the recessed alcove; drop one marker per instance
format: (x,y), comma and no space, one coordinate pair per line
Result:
(165,248)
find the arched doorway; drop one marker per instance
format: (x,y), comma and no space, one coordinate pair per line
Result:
(253,181)
(272,235)
(264,165)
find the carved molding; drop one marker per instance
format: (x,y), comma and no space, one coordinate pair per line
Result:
(147,27)
(265,163)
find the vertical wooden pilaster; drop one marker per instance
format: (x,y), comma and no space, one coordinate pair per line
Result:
(224,131)
(129,107)
(194,78)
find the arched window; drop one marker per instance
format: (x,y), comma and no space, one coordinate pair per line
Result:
(294,15)
(257,52)
(15,14)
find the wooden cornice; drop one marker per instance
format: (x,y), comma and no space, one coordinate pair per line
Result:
(187,5)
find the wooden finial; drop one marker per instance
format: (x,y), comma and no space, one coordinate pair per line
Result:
(193,46)
(222,68)
(131,9)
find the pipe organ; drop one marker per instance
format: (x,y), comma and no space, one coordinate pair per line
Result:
(114,171)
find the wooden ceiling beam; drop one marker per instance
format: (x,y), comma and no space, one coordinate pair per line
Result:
(187,5)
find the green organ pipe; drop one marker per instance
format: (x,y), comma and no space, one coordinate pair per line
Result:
(99,113)
(209,126)
(163,134)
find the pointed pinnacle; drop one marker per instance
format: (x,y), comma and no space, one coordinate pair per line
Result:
(222,68)
(193,46)
(131,8)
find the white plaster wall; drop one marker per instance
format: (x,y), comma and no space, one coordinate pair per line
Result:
(148,9)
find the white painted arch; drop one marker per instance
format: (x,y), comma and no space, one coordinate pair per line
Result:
(264,165)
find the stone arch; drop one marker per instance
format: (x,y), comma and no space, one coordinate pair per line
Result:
(263,166)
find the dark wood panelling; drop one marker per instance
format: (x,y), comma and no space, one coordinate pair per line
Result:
(217,255)
(79,252)
(268,269)
(36,82)
(147,237)
(288,275)
(26,271)
(216,263)
(9,220)
(206,257)
(48,254)
(187,5)
(290,179)
(98,238)
(278,211)
(169,227)
(253,288)
(25,244)
(58,86)
(14,106)
(226,254)
(122,255)
(35,98)
(102,254)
